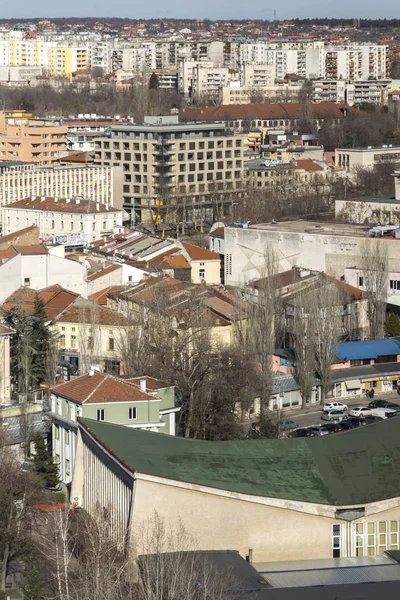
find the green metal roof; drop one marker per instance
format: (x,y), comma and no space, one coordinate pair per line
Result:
(349,468)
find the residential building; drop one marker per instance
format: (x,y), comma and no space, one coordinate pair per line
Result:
(19,422)
(205,265)
(144,403)
(20,180)
(37,267)
(23,138)
(64,61)
(336,502)
(165,161)
(67,221)
(256,76)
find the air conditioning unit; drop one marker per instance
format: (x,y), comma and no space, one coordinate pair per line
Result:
(77,501)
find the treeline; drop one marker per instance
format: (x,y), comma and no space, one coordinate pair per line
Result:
(135,101)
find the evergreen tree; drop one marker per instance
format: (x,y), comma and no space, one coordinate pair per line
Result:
(20,348)
(41,338)
(33,589)
(153,83)
(44,463)
(392,325)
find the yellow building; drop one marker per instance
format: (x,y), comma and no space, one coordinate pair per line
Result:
(63,61)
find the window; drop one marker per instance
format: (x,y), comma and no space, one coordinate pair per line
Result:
(382,537)
(394,535)
(72,412)
(73,341)
(67,467)
(100,414)
(132,413)
(71,225)
(336,531)
(94,226)
(111,343)
(57,432)
(202,273)
(62,340)
(394,284)
(360,281)
(371,534)
(66,436)
(359,539)
(27,281)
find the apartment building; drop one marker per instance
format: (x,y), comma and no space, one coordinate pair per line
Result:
(257,76)
(352,92)
(63,61)
(19,180)
(67,221)
(164,158)
(207,81)
(23,138)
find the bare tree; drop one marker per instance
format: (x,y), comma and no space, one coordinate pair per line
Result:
(304,345)
(374,267)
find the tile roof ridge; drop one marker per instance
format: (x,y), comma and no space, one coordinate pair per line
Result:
(104,378)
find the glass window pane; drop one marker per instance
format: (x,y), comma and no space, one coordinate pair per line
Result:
(393,526)
(359,527)
(371,540)
(371,527)
(336,529)
(371,552)
(382,527)
(359,552)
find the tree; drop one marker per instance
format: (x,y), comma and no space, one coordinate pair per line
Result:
(153,82)
(326,305)
(392,325)
(304,345)
(374,266)
(305,94)
(33,589)
(44,463)
(40,340)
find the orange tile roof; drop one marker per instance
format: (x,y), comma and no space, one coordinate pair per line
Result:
(177,262)
(6,330)
(218,232)
(152,384)
(10,237)
(101,296)
(92,313)
(75,205)
(197,253)
(308,165)
(55,297)
(99,388)
(31,250)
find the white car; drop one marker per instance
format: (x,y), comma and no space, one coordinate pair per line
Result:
(360,411)
(334,406)
(384,413)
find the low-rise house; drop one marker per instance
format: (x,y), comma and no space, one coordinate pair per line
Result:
(37,267)
(143,403)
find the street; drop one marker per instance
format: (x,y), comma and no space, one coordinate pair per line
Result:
(312,416)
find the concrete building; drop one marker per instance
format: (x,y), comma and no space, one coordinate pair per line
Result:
(255,76)
(64,61)
(66,221)
(31,140)
(330,247)
(164,159)
(20,180)
(334,496)
(349,159)
(142,402)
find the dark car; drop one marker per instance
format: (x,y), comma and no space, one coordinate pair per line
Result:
(334,427)
(355,422)
(303,432)
(346,425)
(372,419)
(383,404)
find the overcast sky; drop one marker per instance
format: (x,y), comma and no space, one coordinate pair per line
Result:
(227,9)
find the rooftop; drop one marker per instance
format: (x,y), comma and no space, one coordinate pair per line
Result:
(311,227)
(68,205)
(197,253)
(345,469)
(368,349)
(101,387)
(55,297)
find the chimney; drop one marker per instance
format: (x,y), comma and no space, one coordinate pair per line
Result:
(78,200)
(97,206)
(143,387)
(42,198)
(55,199)
(68,200)
(91,372)
(249,557)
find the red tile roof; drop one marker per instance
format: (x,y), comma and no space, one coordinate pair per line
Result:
(197,253)
(14,237)
(61,205)
(99,388)
(308,165)
(30,250)
(92,313)
(6,330)
(152,384)
(55,297)
(101,296)
(218,232)
(176,262)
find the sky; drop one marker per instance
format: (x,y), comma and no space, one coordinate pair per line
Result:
(207,9)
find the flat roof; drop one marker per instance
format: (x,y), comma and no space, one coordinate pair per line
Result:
(165,128)
(367,148)
(371,199)
(311,227)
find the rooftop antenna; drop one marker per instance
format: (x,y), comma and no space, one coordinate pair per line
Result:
(274,14)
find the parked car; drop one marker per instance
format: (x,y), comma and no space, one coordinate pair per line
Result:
(334,427)
(346,425)
(303,432)
(334,406)
(360,411)
(372,419)
(354,422)
(334,415)
(384,404)
(287,424)
(384,412)
(319,430)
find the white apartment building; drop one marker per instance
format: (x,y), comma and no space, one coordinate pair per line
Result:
(257,76)
(20,180)
(349,159)
(63,221)
(207,81)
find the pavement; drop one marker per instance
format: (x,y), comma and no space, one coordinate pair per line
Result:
(306,417)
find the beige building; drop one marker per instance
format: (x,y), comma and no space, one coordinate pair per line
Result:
(64,61)
(258,76)
(23,138)
(66,221)
(164,160)
(330,497)
(205,265)
(350,159)
(5,381)
(21,180)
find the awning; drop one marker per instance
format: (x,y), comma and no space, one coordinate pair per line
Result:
(354,384)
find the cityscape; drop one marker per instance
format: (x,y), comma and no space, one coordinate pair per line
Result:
(199,307)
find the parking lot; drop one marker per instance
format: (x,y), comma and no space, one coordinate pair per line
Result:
(312,416)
